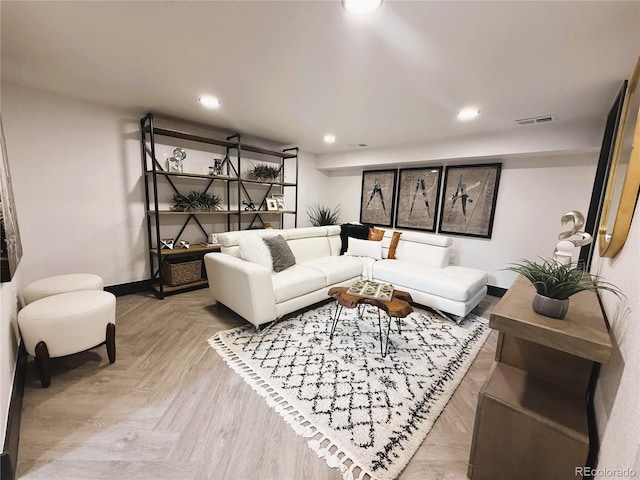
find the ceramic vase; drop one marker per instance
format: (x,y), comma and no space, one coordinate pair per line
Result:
(550,307)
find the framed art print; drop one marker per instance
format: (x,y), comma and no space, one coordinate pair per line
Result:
(418,198)
(377,199)
(279,198)
(469,200)
(11,245)
(272,205)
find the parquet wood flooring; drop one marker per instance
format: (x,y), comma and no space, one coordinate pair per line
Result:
(169,408)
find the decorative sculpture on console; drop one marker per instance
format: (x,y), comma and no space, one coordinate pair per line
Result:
(565,248)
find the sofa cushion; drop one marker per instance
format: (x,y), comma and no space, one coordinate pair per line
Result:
(305,232)
(230,239)
(365,248)
(395,238)
(425,249)
(375,234)
(281,254)
(352,230)
(337,268)
(296,281)
(253,249)
(453,282)
(306,249)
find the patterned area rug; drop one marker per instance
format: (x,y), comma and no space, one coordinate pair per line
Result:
(364,414)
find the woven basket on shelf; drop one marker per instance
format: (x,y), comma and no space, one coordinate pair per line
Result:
(180,273)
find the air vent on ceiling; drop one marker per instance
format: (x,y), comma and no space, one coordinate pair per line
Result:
(358,145)
(536,120)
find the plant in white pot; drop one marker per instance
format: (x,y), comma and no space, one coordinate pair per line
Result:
(555,283)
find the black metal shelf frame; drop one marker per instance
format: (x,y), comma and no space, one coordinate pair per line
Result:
(153,170)
(282,156)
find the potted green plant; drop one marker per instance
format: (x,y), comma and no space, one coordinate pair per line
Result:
(320,215)
(264,173)
(195,201)
(555,282)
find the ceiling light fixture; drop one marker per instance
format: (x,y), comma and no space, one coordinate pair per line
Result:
(468,113)
(209,101)
(329,139)
(361,7)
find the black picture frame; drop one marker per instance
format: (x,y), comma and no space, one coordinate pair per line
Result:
(11,248)
(469,199)
(377,198)
(418,198)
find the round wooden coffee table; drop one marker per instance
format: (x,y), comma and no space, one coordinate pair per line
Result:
(398,307)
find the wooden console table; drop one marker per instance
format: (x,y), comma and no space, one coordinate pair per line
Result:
(532,415)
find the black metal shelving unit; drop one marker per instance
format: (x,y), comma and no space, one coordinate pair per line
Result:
(270,187)
(235,186)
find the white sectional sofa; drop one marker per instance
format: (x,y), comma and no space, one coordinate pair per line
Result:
(260,295)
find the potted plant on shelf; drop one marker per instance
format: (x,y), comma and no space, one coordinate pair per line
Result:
(264,173)
(195,201)
(555,283)
(320,215)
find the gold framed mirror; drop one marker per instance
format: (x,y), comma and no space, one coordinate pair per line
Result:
(621,192)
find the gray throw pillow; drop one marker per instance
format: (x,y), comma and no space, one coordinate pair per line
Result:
(281,254)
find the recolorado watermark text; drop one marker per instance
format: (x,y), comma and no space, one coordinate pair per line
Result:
(605,472)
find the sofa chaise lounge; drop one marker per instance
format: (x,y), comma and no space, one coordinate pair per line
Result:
(261,295)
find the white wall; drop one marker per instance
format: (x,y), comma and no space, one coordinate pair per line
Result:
(313,187)
(533,195)
(546,139)
(77,184)
(617,402)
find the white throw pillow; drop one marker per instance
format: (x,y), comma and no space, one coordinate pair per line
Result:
(253,249)
(365,248)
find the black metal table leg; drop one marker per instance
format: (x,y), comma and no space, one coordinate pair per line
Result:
(335,320)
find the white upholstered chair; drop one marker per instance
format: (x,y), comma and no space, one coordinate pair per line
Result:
(56,323)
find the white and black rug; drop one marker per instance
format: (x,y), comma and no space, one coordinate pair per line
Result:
(364,414)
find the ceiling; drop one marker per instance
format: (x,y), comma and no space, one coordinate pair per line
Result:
(294,71)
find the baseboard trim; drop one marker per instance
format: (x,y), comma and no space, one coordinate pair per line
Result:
(129,288)
(9,459)
(496,291)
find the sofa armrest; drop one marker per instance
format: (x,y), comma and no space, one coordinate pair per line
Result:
(244,287)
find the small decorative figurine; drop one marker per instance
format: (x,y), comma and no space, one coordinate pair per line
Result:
(184,244)
(167,243)
(174,164)
(250,206)
(565,248)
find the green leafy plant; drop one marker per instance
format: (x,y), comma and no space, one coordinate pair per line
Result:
(195,201)
(555,280)
(320,215)
(264,172)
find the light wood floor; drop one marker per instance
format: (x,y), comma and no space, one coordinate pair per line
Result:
(171,409)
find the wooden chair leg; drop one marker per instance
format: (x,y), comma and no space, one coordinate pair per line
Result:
(111,342)
(43,363)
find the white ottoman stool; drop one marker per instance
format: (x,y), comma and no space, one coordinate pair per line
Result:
(68,323)
(61,284)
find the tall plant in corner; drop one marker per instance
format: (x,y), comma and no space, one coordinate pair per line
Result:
(320,215)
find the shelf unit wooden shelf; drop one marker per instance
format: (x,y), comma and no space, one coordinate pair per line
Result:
(236,193)
(193,249)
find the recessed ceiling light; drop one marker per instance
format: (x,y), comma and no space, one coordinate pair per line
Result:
(329,139)
(209,101)
(468,113)
(361,7)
